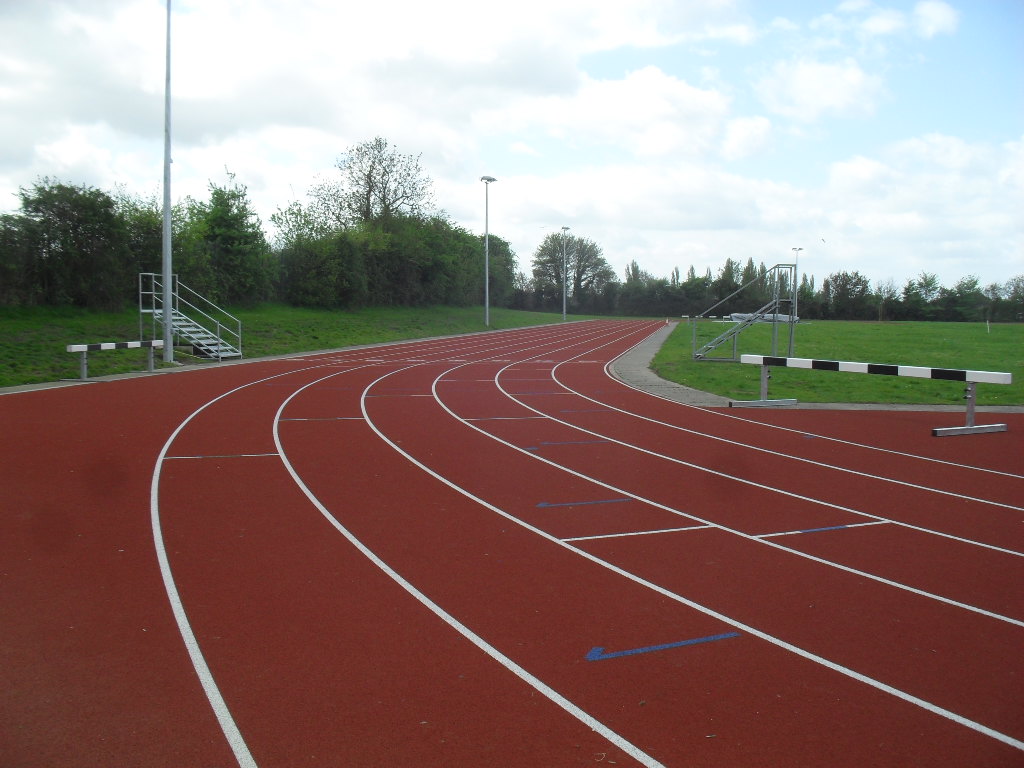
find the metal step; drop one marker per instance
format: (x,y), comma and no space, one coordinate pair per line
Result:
(204,343)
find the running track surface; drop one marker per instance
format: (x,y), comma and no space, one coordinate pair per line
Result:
(486,551)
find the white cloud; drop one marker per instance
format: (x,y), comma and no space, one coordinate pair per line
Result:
(644,159)
(807,90)
(646,113)
(934,17)
(884,22)
(745,136)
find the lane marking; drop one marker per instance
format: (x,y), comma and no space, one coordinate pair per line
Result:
(811,435)
(825,528)
(740,626)
(718,473)
(568,706)
(638,533)
(598,654)
(750,537)
(223,456)
(566,442)
(544,504)
(209,685)
(326,418)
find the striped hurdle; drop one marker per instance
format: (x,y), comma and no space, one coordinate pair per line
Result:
(970,377)
(85,349)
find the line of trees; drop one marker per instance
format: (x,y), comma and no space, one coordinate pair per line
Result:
(840,296)
(370,235)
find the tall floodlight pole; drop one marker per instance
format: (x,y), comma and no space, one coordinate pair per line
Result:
(487,250)
(168,271)
(565,274)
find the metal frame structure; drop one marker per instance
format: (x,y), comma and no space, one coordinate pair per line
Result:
(781,310)
(195,320)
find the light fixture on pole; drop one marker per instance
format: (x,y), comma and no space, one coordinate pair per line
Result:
(565,276)
(487,250)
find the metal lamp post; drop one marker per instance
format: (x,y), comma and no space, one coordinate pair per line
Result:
(487,250)
(565,276)
(168,270)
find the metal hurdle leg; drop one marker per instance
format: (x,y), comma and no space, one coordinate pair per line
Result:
(83,366)
(970,429)
(764,402)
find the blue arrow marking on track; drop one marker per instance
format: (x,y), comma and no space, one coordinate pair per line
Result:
(597,653)
(580,503)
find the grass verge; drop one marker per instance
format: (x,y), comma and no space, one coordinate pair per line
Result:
(938,345)
(33,340)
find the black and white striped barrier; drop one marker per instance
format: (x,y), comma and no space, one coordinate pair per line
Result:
(971,378)
(85,349)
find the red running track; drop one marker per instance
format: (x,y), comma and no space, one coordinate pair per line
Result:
(485,550)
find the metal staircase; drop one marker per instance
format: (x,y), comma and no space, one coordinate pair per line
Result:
(732,333)
(196,322)
(780,310)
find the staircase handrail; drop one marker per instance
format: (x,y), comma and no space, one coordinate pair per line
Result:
(238,323)
(156,306)
(739,290)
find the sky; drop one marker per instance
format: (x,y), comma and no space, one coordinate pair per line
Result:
(880,137)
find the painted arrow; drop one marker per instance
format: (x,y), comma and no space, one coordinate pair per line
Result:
(597,653)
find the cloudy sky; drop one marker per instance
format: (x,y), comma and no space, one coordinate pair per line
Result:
(885,137)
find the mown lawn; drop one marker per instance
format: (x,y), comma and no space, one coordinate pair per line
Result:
(33,340)
(939,345)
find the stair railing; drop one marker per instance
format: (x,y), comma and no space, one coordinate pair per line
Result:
(188,304)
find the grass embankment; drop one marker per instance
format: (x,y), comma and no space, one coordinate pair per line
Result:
(937,345)
(33,340)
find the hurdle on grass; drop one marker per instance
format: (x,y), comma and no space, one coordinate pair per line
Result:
(971,378)
(85,349)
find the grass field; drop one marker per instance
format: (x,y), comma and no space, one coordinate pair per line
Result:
(938,345)
(33,340)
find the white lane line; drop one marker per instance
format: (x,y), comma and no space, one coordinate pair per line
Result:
(722,414)
(219,706)
(762,486)
(639,533)
(793,457)
(828,664)
(749,537)
(538,685)
(223,456)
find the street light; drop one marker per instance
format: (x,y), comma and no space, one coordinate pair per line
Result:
(487,250)
(565,277)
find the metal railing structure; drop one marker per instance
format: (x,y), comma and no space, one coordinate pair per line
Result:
(211,332)
(781,310)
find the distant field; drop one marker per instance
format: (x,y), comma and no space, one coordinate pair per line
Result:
(937,345)
(33,340)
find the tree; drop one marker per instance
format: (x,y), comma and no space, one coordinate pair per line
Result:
(71,247)
(887,293)
(587,272)
(225,253)
(377,183)
(847,295)
(548,274)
